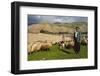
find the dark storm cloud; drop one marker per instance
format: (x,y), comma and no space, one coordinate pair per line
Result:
(33,19)
(52,19)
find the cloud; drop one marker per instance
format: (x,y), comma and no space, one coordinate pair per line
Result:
(53,19)
(32,19)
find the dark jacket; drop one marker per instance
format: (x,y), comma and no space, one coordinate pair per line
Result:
(78,37)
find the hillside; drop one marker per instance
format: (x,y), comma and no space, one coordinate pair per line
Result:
(56,28)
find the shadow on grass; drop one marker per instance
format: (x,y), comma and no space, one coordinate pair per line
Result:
(66,51)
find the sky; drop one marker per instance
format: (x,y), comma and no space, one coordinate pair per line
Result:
(53,19)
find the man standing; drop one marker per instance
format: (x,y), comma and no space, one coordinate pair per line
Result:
(77,39)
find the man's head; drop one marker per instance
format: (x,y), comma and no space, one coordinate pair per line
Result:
(77,28)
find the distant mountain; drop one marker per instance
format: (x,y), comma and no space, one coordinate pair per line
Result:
(57,27)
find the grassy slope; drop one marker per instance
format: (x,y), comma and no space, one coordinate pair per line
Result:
(56,53)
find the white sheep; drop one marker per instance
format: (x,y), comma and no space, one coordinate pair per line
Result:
(84,41)
(38,46)
(46,46)
(68,39)
(69,44)
(33,47)
(29,48)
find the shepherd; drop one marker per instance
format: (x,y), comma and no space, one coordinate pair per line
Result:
(77,40)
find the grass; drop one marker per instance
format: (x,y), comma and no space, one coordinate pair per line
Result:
(55,53)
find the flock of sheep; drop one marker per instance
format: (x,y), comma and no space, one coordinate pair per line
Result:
(46,45)
(39,45)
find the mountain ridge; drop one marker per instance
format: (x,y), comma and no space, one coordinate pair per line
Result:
(56,28)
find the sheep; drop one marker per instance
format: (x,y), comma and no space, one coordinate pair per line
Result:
(69,44)
(46,46)
(34,47)
(68,39)
(84,41)
(53,42)
(29,48)
(39,46)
